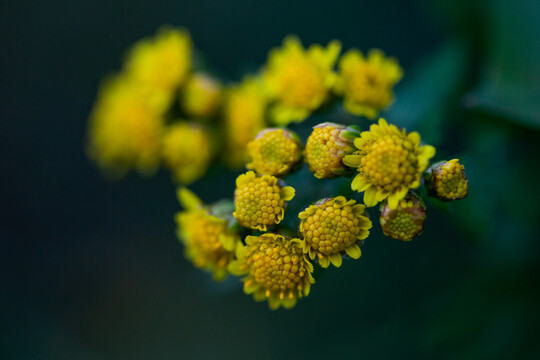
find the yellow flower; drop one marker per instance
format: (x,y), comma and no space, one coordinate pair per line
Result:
(186,151)
(162,63)
(276,269)
(244,110)
(406,221)
(366,83)
(447,180)
(260,201)
(124,129)
(299,80)
(333,227)
(274,152)
(326,147)
(201,96)
(389,163)
(209,244)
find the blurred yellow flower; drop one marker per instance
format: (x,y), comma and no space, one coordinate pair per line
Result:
(389,163)
(332,228)
(244,110)
(201,96)
(366,83)
(298,80)
(276,269)
(186,151)
(124,129)
(274,152)
(160,64)
(209,244)
(260,201)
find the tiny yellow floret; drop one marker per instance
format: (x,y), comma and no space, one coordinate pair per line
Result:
(406,221)
(274,152)
(332,228)
(244,117)
(325,149)
(186,151)
(389,163)
(299,80)
(201,96)
(366,83)
(260,200)
(276,269)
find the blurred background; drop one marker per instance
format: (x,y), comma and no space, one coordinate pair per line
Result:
(91,269)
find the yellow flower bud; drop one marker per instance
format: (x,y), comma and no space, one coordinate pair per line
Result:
(446,180)
(274,152)
(406,221)
(201,96)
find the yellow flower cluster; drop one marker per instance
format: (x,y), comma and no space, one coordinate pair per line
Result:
(325,149)
(274,152)
(260,201)
(389,163)
(333,227)
(186,151)
(447,180)
(276,269)
(209,244)
(406,221)
(135,124)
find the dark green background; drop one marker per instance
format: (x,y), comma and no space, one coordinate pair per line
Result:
(91,269)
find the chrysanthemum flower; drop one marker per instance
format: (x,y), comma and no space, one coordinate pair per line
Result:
(209,243)
(446,180)
(244,111)
(276,269)
(274,152)
(186,151)
(326,147)
(389,163)
(125,129)
(299,80)
(201,96)
(260,200)
(332,228)
(366,83)
(406,221)
(161,64)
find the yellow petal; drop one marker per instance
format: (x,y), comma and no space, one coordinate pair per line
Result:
(352,160)
(287,193)
(188,199)
(335,259)
(354,251)
(360,183)
(370,196)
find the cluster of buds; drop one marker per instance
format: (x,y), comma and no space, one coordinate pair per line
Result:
(136,123)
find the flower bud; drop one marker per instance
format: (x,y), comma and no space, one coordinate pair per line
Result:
(406,221)
(326,147)
(274,152)
(446,180)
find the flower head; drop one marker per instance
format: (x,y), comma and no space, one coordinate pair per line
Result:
(209,243)
(326,147)
(186,151)
(244,110)
(299,80)
(333,227)
(389,163)
(406,221)
(446,180)
(260,201)
(274,152)
(366,83)
(161,64)
(125,129)
(276,269)
(201,96)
